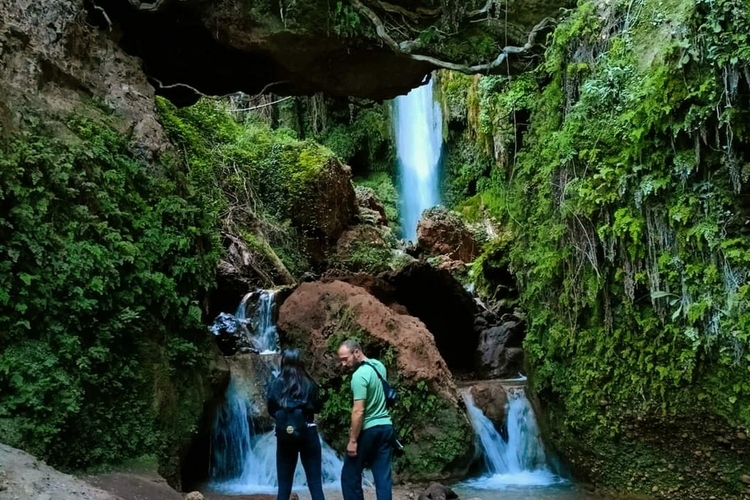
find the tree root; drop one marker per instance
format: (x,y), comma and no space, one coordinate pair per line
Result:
(404,48)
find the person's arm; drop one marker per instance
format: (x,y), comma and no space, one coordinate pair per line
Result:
(358,417)
(359,395)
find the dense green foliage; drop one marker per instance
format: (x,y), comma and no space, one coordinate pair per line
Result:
(263,181)
(358,131)
(104,259)
(629,239)
(631,191)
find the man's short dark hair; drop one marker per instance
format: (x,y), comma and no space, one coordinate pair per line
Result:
(352,345)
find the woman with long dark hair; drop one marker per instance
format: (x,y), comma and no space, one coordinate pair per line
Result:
(293,399)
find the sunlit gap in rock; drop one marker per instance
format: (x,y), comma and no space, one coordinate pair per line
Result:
(419,142)
(243,451)
(519,461)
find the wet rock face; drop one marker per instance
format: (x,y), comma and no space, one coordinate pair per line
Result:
(441,232)
(499,352)
(491,398)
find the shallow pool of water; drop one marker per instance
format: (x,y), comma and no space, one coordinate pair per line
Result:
(526,485)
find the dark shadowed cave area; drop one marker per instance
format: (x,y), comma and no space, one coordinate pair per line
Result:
(446,308)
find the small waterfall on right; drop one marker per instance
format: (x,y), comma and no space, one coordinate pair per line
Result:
(518,461)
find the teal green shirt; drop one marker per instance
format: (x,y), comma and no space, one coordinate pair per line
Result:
(367,386)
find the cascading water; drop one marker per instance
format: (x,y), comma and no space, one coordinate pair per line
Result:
(519,461)
(419,142)
(266,338)
(243,460)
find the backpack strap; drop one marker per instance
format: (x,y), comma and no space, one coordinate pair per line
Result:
(375,370)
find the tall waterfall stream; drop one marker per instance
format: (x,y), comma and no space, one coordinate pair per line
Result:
(419,143)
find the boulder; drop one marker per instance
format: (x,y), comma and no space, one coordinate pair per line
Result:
(378,287)
(24,477)
(441,232)
(490,397)
(323,202)
(499,353)
(437,491)
(318,316)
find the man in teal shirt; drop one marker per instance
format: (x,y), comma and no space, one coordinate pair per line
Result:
(371,434)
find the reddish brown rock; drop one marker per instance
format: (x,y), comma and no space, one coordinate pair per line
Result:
(376,286)
(316,313)
(441,232)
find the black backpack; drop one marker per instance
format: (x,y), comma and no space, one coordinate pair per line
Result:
(391,396)
(290,423)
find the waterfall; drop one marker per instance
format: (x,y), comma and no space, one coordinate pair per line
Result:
(419,140)
(262,334)
(519,460)
(245,462)
(264,324)
(243,459)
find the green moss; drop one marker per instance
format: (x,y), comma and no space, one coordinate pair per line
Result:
(261,180)
(103,267)
(627,242)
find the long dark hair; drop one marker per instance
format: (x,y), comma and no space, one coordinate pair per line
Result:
(297,384)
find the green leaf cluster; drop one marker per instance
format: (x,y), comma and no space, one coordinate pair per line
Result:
(624,202)
(104,259)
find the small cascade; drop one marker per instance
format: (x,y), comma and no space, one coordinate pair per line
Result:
(231,438)
(251,332)
(243,453)
(518,461)
(266,338)
(258,473)
(419,142)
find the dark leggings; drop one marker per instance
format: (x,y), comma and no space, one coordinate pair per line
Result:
(308,449)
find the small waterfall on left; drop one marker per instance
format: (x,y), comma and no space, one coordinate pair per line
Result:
(243,450)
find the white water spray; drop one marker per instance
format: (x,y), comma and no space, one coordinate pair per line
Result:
(243,461)
(519,461)
(262,332)
(419,142)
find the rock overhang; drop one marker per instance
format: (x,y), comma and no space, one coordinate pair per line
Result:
(194,47)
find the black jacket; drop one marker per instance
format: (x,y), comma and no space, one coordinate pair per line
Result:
(310,402)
